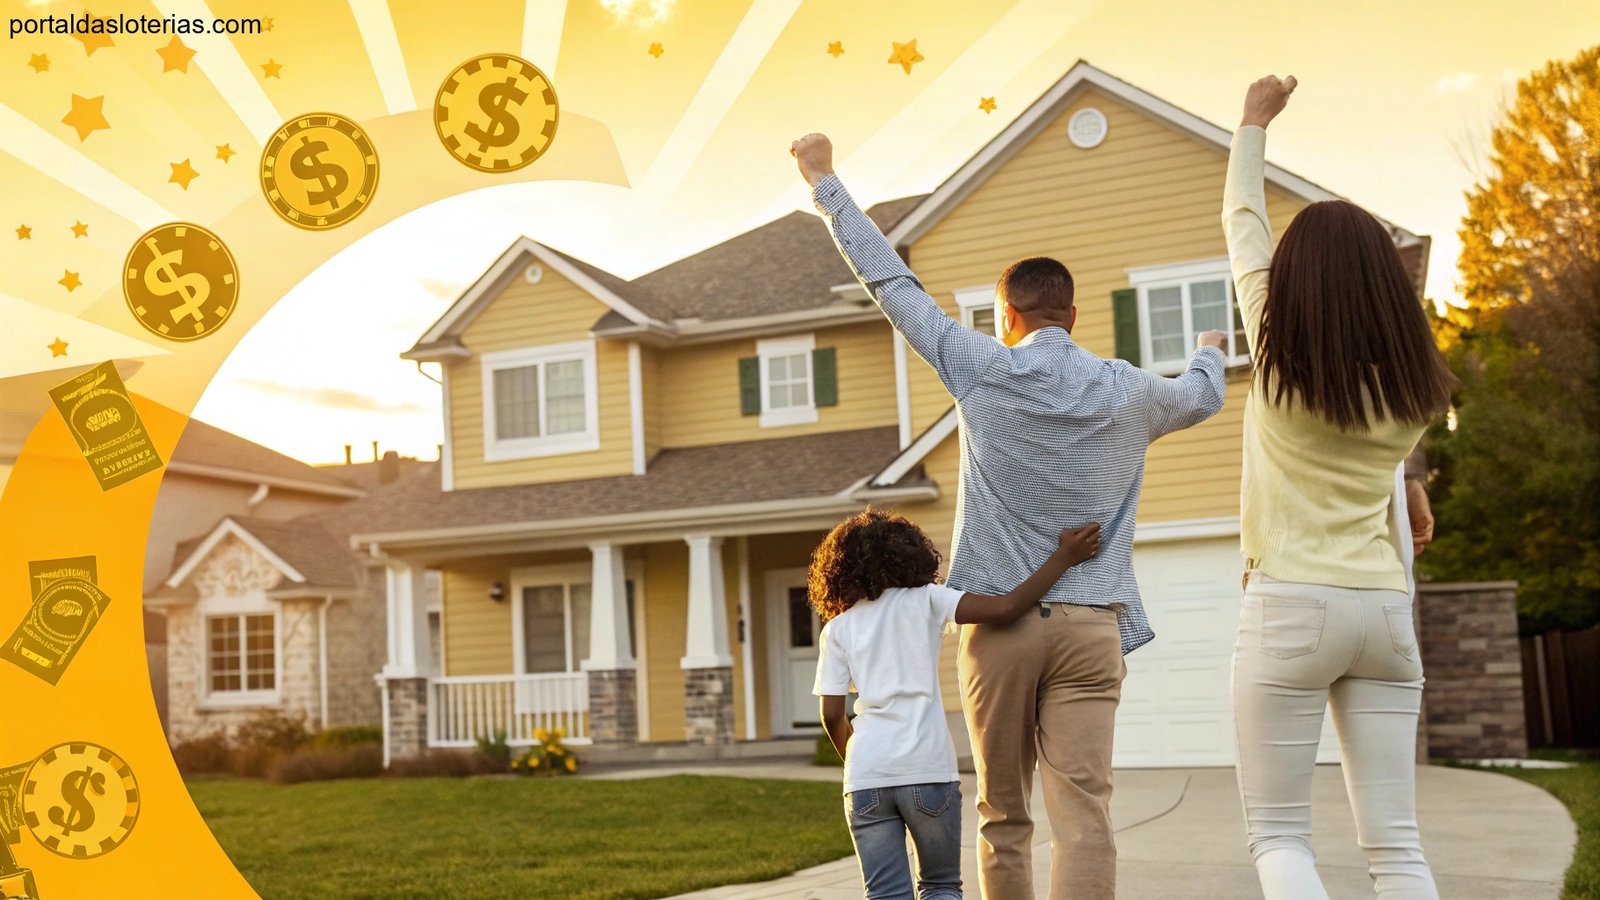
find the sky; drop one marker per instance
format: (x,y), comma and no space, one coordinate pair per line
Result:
(1394,109)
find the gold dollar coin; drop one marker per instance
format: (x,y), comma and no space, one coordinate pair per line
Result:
(180,281)
(496,112)
(80,800)
(319,171)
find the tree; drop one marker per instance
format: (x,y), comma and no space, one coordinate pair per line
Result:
(1517,485)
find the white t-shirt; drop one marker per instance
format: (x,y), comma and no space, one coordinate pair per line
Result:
(888,650)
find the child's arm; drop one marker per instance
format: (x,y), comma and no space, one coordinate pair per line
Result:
(1077,545)
(836,721)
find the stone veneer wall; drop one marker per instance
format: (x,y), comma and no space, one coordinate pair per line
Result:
(614,706)
(357,646)
(189,716)
(708,705)
(408,717)
(1472,702)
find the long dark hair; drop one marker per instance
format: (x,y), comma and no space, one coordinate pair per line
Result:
(1343,325)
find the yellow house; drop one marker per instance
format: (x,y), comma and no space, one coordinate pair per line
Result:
(635,471)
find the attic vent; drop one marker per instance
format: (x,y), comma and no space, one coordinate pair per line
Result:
(533,274)
(1087,128)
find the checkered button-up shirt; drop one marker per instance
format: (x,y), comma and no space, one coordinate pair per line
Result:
(1052,436)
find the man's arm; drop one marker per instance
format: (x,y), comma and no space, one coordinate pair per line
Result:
(1075,546)
(958,354)
(1244,201)
(1192,397)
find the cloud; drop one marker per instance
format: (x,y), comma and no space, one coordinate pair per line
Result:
(328,397)
(444,290)
(1454,83)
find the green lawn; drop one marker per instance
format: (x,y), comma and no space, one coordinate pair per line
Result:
(519,837)
(1579,789)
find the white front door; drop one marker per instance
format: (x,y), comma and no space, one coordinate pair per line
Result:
(792,632)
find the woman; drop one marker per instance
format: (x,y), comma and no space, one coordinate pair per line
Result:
(1346,379)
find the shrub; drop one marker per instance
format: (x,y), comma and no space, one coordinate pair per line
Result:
(548,756)
(362,760)
(826,754)
(204,755)
(348,736)
(494,750)
(446,763)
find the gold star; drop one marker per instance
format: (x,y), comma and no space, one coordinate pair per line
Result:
(80,230)
(266,23)
(86,116)
(905,54)
(69,281)
(59,348)
(39,61)
(656,50)
(836,48)
(271,69)
(182,174)
(24,233)
(94,41)
(224,152)
(986,104)
(175,56)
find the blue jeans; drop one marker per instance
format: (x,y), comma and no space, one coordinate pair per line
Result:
(879,819)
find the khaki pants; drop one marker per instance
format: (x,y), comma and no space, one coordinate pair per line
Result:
(1044,690)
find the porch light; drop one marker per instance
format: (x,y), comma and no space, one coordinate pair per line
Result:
(497,592)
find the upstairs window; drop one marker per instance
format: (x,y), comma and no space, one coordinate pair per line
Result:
(977,309)
(1159,318)
(787,380)
(540,401)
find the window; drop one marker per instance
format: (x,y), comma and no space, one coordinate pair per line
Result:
(554,630)
(540,401)
(787,396)
(1176,304)
(978,309)
(242,657)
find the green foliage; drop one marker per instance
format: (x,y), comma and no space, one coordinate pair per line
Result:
(363,760)
(492,838)
(494,749)
(1579,789)
(1516,491)
(349,736)
(206,755)
(826,755)
(548,756)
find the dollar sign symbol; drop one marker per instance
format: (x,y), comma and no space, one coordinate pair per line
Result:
(161,279)
(74,790)
(330,176)
(503,127)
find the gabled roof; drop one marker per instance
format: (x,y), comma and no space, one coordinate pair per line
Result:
(1080,78)
(780,271)
(211,452)
(307,554)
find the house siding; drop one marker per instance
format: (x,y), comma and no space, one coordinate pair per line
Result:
(554,311)
(1148,195)
(703,406)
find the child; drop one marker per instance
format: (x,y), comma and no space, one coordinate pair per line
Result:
(872,581)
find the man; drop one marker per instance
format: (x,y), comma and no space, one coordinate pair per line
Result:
(1051,436)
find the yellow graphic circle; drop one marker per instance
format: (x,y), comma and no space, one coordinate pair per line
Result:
(496,112)
(80,800)
(180,281)
(319,171)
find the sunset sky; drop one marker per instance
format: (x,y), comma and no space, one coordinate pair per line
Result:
(1393,111)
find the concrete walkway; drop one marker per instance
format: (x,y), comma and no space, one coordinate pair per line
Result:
(1180,833)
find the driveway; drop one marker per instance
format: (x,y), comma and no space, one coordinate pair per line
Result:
(1180,834)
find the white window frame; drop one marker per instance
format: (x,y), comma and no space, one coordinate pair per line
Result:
(1182,275)
(498,450)
(243,697)
(788,346)
(971,299)
(566,576)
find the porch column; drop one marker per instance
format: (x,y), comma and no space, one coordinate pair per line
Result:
(612,675)
(404,678)
(707,664)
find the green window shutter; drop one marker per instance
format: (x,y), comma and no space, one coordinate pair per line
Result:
(825,375)
(750,386)
(1125,320)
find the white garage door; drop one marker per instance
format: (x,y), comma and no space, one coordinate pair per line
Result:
(1175,707)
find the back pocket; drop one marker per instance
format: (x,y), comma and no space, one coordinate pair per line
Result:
(1291,626)
(1402,632)
(933,799)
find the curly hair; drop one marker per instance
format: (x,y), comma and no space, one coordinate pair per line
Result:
(865,555)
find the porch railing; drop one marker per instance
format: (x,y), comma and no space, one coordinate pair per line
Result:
(463,708)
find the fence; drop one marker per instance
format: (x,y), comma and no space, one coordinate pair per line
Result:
(1561,684)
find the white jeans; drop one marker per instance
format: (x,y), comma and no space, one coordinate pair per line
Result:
(1301,648)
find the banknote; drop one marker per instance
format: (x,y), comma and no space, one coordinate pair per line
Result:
(106,426)
(11,802)
(16,883)
(67,604)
